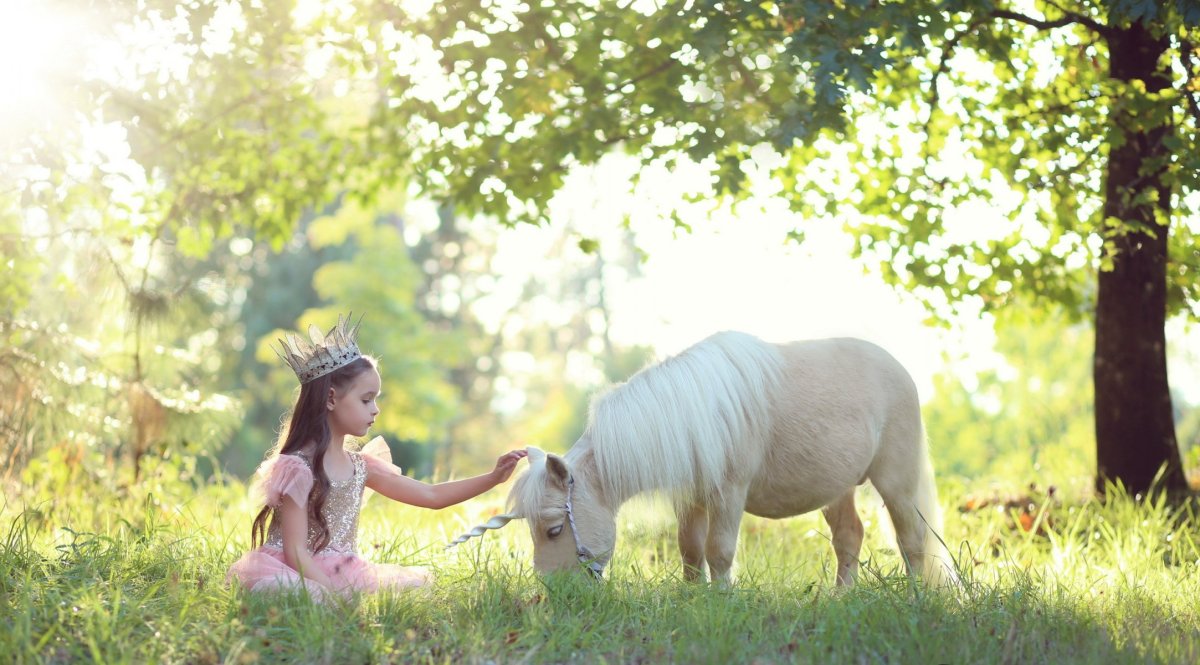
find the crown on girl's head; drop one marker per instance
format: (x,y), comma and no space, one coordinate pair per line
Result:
(321,354)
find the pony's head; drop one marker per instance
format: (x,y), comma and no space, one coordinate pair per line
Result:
(572,528)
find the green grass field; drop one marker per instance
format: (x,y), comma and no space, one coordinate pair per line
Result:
(140,578)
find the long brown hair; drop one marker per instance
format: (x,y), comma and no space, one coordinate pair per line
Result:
(309,423)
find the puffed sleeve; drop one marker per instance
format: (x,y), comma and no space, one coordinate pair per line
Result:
(378,458)
(377,454)
(285,475)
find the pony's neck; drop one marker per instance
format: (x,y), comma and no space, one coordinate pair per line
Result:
(585,467)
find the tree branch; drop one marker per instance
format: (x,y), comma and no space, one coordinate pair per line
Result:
(51,235)
(1068,18)
(1064,106)
(661,67)
(944,64)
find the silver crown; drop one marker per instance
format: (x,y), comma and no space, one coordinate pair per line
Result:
(321,354)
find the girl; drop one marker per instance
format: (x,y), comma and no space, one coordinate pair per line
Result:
(305,535)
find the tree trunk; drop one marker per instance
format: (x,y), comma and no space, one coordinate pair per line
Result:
(1135,429)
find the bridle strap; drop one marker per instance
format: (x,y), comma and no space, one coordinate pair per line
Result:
(585,556)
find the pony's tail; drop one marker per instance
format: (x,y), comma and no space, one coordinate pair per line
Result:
(937,565)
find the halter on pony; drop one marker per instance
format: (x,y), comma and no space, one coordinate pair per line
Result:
(585,556)
(586,559)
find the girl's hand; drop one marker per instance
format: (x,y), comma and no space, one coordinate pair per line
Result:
(506,464)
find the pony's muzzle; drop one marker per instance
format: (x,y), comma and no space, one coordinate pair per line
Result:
(595,570)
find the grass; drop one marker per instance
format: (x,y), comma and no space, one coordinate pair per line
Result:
(139,577)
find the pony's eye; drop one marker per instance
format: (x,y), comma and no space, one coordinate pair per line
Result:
(554,531)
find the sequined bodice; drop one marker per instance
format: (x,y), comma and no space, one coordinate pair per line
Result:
(341,509)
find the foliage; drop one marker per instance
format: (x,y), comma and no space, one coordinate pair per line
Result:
(455,258)
(220,120)
(903,116)
(981,151)
(379,282)
(91,360)
(277,287)
(208,133)
(185,132)
(138,577)
(184,124)
(1029,415)
(537,331)
(1032,135)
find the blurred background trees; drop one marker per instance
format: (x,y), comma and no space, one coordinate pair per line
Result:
(195,193)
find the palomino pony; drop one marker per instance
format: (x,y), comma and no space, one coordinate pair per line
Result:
(731,425)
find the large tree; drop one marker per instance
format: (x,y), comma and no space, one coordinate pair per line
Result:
(1076,122)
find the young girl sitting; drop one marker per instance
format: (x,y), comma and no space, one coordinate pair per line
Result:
(313,487)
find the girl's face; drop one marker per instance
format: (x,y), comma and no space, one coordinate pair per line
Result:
(354,407)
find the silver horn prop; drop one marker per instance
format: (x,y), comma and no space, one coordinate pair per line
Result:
(495,523)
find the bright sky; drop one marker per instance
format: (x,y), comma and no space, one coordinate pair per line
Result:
(28,44)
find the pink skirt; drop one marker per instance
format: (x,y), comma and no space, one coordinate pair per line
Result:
(265,569)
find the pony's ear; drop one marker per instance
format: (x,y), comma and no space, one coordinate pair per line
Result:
(556,470)
(535,454)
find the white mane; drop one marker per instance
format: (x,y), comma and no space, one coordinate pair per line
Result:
(675,426)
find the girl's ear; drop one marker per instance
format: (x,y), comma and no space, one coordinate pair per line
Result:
(332,400)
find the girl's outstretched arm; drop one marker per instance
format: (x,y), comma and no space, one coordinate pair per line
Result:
(388,481)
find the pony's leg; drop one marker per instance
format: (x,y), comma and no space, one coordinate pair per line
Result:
(900,501)
(903,476)
(724,520)
(693,530)
(847,536)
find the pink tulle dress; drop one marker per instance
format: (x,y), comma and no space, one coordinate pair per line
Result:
(266,569)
